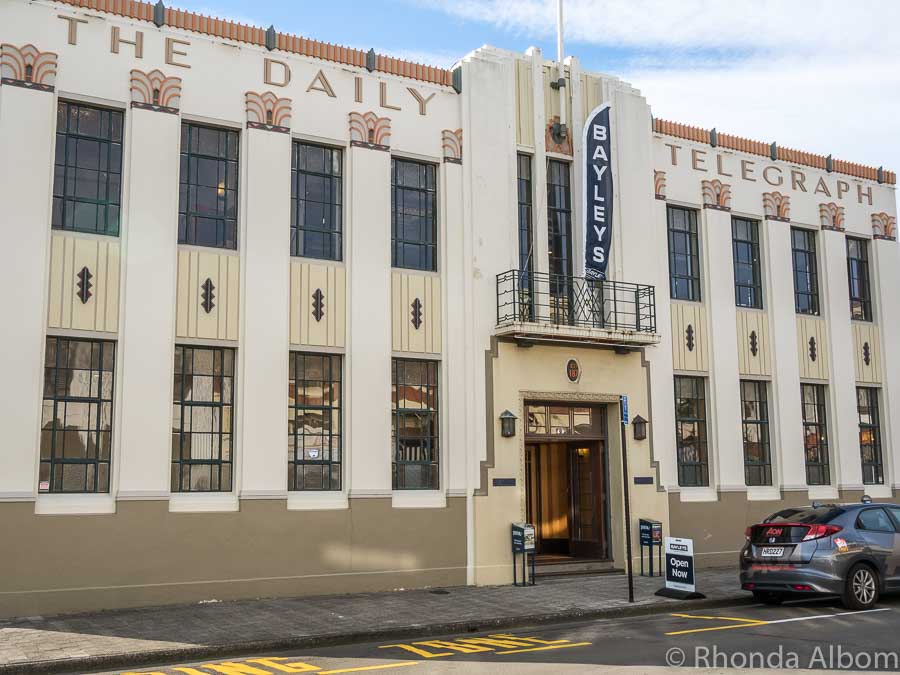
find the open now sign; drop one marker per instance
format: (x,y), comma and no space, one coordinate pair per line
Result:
(680,564)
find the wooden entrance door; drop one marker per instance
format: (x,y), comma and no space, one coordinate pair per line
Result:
(587,514)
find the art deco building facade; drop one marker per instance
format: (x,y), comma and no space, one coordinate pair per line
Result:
(271,305)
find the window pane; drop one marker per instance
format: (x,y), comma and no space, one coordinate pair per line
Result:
(316,215)
(76,415)
(207,202)
(88,169)
(413,215)
(815,434)
(315,422)
(869,435)
(858,277)
(684,261)
(202,424)
(806,283)
(690,431)
(416,440)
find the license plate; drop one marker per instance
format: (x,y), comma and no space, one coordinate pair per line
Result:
(773,551)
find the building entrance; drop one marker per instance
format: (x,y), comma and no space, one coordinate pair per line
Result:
(567,481)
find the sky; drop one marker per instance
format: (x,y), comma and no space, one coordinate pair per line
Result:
(817,75)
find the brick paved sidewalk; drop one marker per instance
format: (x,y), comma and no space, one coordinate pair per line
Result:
(120,638)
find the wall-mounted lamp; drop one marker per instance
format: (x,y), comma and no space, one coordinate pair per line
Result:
(640,428)
(507,424)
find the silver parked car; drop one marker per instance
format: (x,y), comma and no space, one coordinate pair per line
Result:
(850,550)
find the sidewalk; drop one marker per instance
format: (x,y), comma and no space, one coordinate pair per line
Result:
(135,637)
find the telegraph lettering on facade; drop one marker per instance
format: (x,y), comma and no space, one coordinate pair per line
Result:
(598,193)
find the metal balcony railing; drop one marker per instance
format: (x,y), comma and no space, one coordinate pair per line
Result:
(530,297)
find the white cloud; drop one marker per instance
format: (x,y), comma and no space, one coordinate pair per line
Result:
(820,76)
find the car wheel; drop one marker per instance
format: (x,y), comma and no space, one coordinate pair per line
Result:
(768,597)
(860,588)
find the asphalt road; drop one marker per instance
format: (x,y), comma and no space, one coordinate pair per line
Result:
(798,635)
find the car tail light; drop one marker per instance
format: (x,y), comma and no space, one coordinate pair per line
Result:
(801,587)
(748,532)
(819,531)
(748,587)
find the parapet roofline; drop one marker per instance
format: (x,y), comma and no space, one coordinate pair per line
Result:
(160,15)
(773,151)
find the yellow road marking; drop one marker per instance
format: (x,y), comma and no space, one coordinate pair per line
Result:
(715,618)
(541,649)
(740,623)
(383,666)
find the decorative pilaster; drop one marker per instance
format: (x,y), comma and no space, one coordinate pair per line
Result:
(451,142)
(154,91)
(831,217)
(368,130)
(777,206)
(884,226)
(268,112)
(716,195)
(27,67)
(659,184)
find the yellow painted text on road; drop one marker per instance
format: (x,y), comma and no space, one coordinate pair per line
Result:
(497,644)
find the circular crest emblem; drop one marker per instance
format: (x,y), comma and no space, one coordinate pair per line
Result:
(573,370)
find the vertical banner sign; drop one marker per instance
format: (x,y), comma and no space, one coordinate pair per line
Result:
(598,193)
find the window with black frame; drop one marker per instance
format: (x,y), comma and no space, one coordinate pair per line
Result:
(316,201)
(815,434)
(414,403)
(559,226)
(87,172)
(208,186)
(806,271)
(314,422)
(526,238)
(684,257)
(858,276)
(413,215)
(690,431)
(77,415)
(870,435)
(745,250)
(755,426)
(202,419)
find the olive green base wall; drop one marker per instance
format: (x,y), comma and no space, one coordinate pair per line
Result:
(717,528)
(145,555)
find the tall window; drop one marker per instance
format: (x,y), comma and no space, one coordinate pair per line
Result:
(815,434)
(316,201)
(413,215)
(77,415)
(314,422)
(869,435)
(87,178)
(806,274)
(559,225)
(414,400)
(202,419)
(526,237)
(684,258)
(208,186)
(858,275)
(755,420)
(745,250)
(690,431)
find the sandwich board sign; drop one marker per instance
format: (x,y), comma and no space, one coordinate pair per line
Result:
(680,564)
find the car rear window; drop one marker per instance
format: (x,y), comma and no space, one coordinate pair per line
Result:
(807,516)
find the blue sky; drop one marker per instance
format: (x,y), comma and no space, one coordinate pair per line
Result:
(818,75)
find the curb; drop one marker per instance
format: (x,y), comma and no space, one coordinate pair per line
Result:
(238,649)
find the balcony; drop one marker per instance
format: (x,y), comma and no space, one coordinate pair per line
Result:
(541,307)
